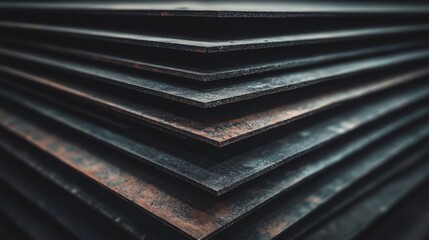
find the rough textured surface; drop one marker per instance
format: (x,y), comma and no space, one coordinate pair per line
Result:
(209,46)
(222,172)
(195,213)
(289,210)
(260,63)
(357,217)
(223,9)
(212,120)
(28,221)
(227,93)
(226,128)
(408,219)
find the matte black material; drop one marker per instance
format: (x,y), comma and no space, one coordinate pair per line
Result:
(222,9)
(206,171)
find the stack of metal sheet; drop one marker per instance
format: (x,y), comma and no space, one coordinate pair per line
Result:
(211,120)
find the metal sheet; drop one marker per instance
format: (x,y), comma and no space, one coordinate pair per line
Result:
(203,169)
(210,46)
(29,220)
(136,223)
(407,219)
(362,144)
(227,126)
(356,218)
(10,230)
(403,161)
(269,186)
(227,93)
(221,67)
(235,168)
(289,210)
(71,215)
(224,9)
(195,213)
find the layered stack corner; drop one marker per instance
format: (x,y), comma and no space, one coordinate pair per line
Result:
(215,120)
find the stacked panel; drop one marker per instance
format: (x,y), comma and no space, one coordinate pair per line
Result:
(211,120)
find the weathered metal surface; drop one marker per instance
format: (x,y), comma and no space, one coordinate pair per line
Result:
(10,230)
(158,195)
(202,169)
(227,93)
(83,222)
(267,188)
(92,132)
(195,213)
(223,9)
(401,163)
(407,220)
(206,169)
(28,218)
(136,223)
(260,63)
(357,217)
(228,126)
(210,46)
(288,210)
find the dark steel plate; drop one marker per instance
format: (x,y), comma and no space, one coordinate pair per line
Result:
(119,212)
(235,168)
(31,222)
(195,213)
(290,209)
(83,222)
(226,93)
(408,219)
(205,169)
(219,67)
(223,9)
(210,46)
(226,126)
(357,217)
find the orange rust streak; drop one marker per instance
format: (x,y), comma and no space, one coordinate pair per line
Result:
(223,130)
(126,183)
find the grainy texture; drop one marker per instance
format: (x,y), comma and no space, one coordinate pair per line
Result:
(224,9)
(227,93)
(225,128)
(208,46)
(209,120)
(223,172)
(30,221)
(290,210)
(195,213)
(206,170)
(351,222)
(260,62)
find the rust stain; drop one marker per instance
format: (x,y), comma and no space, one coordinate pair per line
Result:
(166,14)
(272,228)
(126,182)
(223,131)
(137,66)
(313,199)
